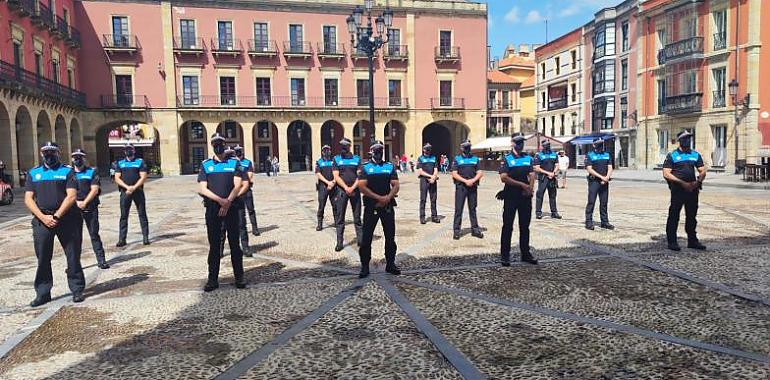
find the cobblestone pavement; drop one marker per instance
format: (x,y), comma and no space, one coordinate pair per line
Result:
(601,304)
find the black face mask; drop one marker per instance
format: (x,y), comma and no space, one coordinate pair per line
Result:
(218,149)
(344,149)
(466,149)
(685,143)
(129,153)
(599,148)
(326,154)
(426,152)
(547,147)
(518,147)
(78,162)
(51,159)
(377,155)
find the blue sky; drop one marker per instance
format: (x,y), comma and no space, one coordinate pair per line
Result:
(523,21)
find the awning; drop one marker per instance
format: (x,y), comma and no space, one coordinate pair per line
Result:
(585,140)
(500,143)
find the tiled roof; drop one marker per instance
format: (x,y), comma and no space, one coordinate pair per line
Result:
(515,60)
(529,82)
(497,76)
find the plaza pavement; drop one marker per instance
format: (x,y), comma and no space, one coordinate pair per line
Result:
(601,304)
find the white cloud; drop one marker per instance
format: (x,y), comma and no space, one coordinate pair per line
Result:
(534,17)
(513,15)
(574,7)
(570,11)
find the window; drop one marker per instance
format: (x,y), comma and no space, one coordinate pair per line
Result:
(690,82)
(197,131)
(362,92)
(38,64)
(543,103)
(553,125)
(624,32)
(70,77)
(261,38)
(506,100)
(120,32)
(187,34)
(230,129)
(445,93)
(225,35)
(190,90)
(55,70)
(330,39)
(604,40)
(263,91)
(623,113)
(603,113)
(124,93)
(295,38)
(720,28)
(331,91)
(506,125)
(263,129)
(573,95)
(492,99)
(542,70)
(66,16)
(573,57)
(604,77)
(394,42)
(719,87)
(624,75)
(661,96)
(18,54)
(227,91)
(561,125)
(445,43)
(557,63)
(394,93)
(599,41)
(297,91)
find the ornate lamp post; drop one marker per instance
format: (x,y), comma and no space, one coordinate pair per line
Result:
(366,41)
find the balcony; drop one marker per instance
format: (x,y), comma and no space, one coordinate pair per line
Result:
(447,54)
(356,54)
(43,17)
(297,49)
(27,82)
(447,102)
(687,48)
(193,46)
(603,86)
(498,105)
(120,43)
(62,28)
(74,37)
(262,48)
(720,41)
(719,99)
(558,103)
(331,50)
(396,52)
(23,7)
(264,101)
(124,101)
(226,46)
(685,103)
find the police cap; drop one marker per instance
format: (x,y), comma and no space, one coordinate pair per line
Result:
(48,146)
(78,152)
(683,134)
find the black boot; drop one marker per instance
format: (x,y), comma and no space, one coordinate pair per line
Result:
(555,215)
(674,246)
(528,258)
(102,263)
(456,235)
(422,220)
(539,215)
(121,243)
(41,300)
(435,219)
(320,225)
(364,273)
(78,297)
(339,247)
(477,233)
(210,286)
(607,226)
(248,251)
(390,265)
(590,226)
(146,240)
(505,259)
(695,244)
(255,231)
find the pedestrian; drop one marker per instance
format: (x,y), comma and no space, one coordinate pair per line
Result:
(130,175)
(247,200)
(267,165)
(403,162)
(51,193)
(378,182)
(113,165)
(517,173)
(397,162)
(563,167)
(679,170)
(466,175)
(427,171)
(325,185)
(87,201)
(411,163)
(219,181)
(346,167)
(444,163)
(546,167)
(599,167)
(276,166)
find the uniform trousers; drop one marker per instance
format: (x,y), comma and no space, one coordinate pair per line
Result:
(523,207)
(137,197)
(69,232)
(427,188)
(341,203)
(595,188)
(387,216)
(462,193)
(543,184)
(680,198)
(91,220)
(216,228)
(324,195)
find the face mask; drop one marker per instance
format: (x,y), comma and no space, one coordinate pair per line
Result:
(426,152)
(599,148)
(377,155)
(518,147)
(78,162)
(685,142)
(547,147)
(467,149)
(129,153)
(344,149)
(326,154)
(51,159)
(219,149)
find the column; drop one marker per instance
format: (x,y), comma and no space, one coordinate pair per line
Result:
(315,128)
(283,146)
(379,132)
(166,124)
(169,68)
(348,129)
(248,140)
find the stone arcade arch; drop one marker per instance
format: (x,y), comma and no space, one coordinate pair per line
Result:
(113,136)
(265,135)
(7,145)
(61,137)
(43,128)
(193,146)
(26,151)
(445,136)
(300,146)
(332,132)
(394,138)
(76,135)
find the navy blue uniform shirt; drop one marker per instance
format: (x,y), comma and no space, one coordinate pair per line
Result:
(50,185)
(348,167)
(683,164)
(129,170)
(546,160)
(518,168)
(599,161)
(325,168)
(87,178)
(219,175)
(378,177)
(466,167)
(427,164)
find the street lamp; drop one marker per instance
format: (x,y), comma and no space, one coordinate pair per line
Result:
(366,41)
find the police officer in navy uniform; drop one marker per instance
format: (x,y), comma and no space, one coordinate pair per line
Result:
(546,167)
(89,187)
(345,168)
(248,198)
(220,180)
(130,175)
(598,164)
(679,170)
(516,172)
(325,185)
(466,175)
(239,205)
(51,193)
(427,171)
(379,184)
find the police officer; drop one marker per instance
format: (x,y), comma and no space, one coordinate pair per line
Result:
(466,175)
(325,185)
(599,167)
(379,184)
(427,171)
(546,167)
(345,169)
(130,175)
(89,187)
(516,172)
(679,170)
(244,195)
(220,180)
(51,193)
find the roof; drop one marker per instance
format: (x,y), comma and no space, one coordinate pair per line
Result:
(497,76)
(561,43)
(529,82)
(516,60)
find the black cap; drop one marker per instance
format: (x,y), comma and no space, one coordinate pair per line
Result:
(465,143)
(545,142)
(683,134)
(325,147)
(50,145)
(427,146)
(377,145)
(238,149)
(229,149)
(518,138)
(78,152)
(217,137)
(128,145)
(346,141)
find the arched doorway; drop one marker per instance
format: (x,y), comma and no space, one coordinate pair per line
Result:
(394,139)
(26,151)
(60,130)
(265,143)
(112,137)
(362,138)
(331,134)
(193,146)
(6,148)
(231,131)
(76,135)
(445,136)
(43,128)
(300,146)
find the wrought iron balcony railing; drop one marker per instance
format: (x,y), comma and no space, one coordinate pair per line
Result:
(685,103)
(330,50)
(297,48)
(686,48)
(43,16)
(226,46)
(120,42)
(720,41)
(719,99)
(500,105)
(262,47)
(447,102)
(24,7)
(558,103)
(396,52)
(447,53)
(264,101)
(124,101)
(18,79)
(183,45)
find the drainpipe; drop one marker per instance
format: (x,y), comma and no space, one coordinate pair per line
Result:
(644,98)
(737,71)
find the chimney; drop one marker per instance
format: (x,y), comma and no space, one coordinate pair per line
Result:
(524,50)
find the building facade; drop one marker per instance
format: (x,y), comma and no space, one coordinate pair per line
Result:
(277,77)
(39,81)
(610,88)
(559,86)
(510,109)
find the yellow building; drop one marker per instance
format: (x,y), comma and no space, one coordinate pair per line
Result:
(520,68)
